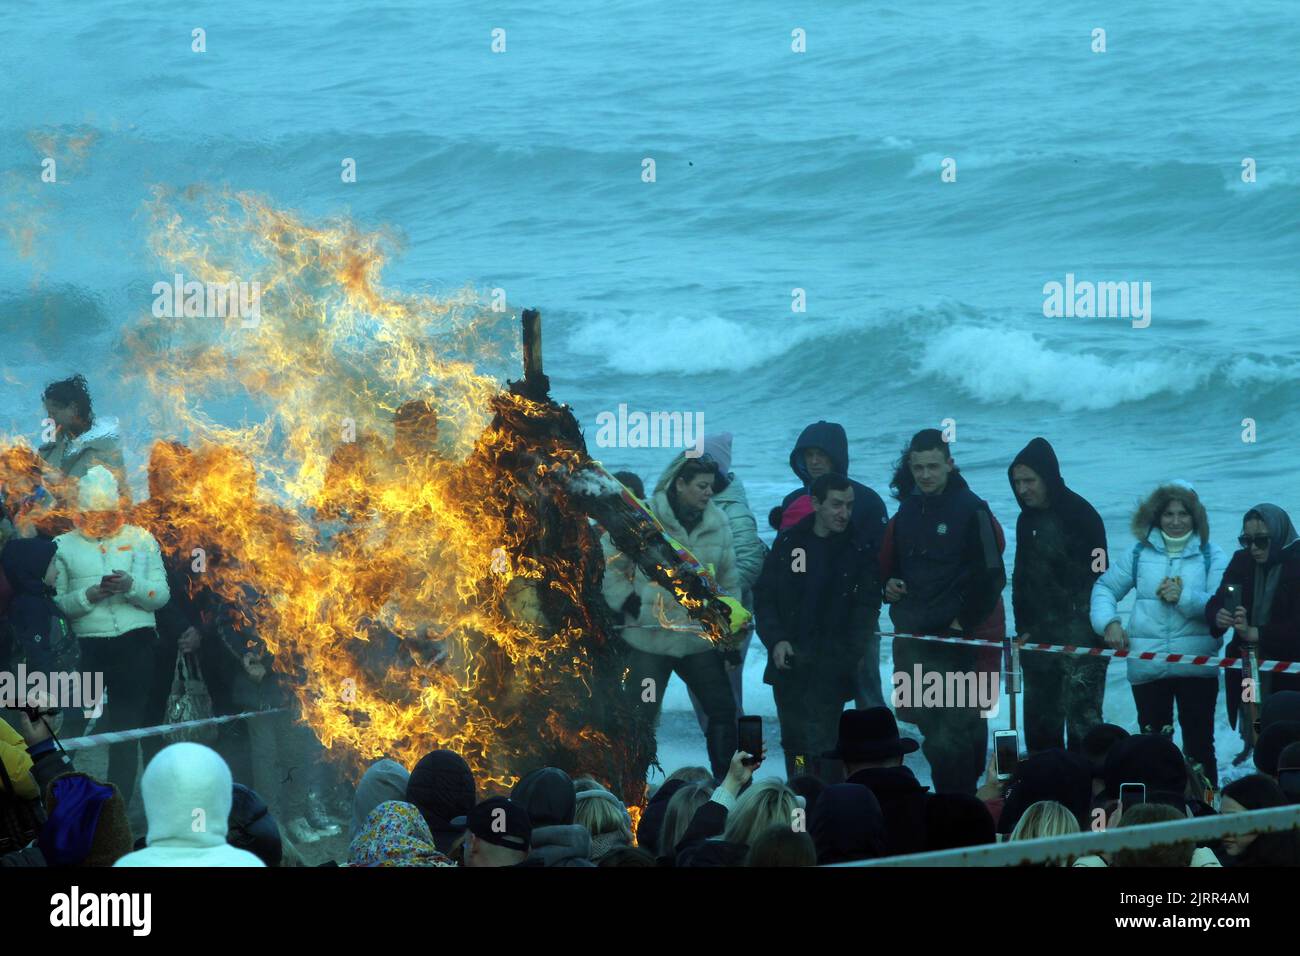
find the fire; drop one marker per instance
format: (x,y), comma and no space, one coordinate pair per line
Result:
(408,540)
(337,529)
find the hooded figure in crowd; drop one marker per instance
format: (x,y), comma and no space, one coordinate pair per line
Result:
(109,579)
(442,786)
(39,635)
(549,798)
(251,826)
(383,780)
(1265,574)
(187,794)
(395,834)
(1060,552)
(823,448)
(847,824)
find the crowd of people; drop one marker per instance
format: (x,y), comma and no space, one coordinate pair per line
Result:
(113,593)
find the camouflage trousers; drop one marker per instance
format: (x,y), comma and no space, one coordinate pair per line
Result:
(954,734)
(1063,698)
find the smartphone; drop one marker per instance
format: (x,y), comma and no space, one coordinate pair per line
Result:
(1130,795)
(1232,599)
(1006,752)
(103,582)
(751,739)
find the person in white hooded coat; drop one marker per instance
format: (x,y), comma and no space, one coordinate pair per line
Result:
(187,792)
(662,637)
(109,580)
(1175,570)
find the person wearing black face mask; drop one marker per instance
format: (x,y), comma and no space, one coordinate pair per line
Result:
(1266,576)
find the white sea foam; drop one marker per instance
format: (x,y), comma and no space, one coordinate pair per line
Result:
(1007,365)
(693,345)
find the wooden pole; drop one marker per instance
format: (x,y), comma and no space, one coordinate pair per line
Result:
(536,384)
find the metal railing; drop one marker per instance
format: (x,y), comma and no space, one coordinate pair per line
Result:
(1197,830)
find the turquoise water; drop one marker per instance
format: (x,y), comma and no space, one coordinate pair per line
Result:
(775,171)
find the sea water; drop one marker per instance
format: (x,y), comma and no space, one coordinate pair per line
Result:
(862,231)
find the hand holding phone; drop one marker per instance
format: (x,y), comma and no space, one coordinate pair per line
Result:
(1006,752)
(119,582)
(750,739)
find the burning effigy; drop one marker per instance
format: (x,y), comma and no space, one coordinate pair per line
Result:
(415,547)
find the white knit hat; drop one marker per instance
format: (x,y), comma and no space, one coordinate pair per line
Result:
(97,491)
(718,447)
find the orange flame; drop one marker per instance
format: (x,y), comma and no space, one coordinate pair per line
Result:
(372,547)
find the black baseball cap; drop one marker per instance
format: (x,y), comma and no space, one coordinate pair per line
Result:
(500,821)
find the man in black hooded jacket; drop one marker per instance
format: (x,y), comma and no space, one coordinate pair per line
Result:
(1060,552)
(823,448)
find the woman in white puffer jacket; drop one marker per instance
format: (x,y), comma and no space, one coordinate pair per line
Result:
(1175,570)
(109,580)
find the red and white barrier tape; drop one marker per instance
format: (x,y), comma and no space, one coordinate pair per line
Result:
(109,737)
(1199,660)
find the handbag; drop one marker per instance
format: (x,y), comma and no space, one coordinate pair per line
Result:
(189,700)
(20,820)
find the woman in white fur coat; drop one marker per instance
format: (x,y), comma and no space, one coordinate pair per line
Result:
(662,637)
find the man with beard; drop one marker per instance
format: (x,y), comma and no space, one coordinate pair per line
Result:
(1060,552)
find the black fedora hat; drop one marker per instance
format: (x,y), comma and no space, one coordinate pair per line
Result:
(870,734)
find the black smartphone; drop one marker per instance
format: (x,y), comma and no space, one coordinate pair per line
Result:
(1232,598)
(750,739)
(1130,795)
(1006,753)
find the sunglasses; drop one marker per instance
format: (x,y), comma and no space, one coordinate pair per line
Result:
(1260,541)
